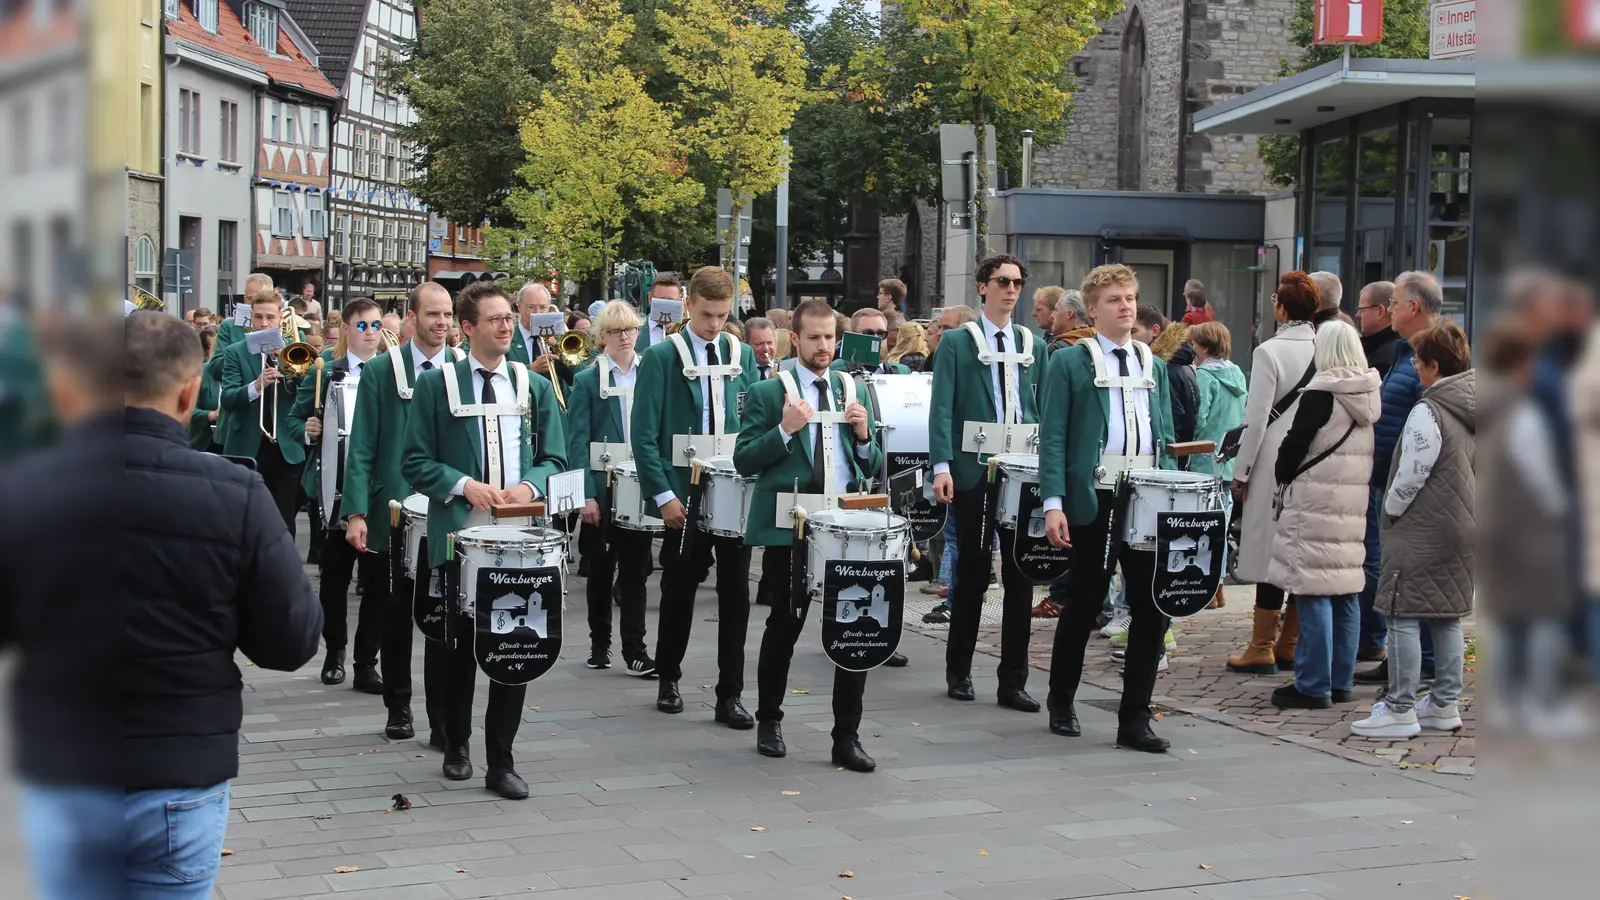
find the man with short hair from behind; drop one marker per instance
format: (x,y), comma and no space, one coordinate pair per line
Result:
(1197,308)
(1331,290)
(210,571)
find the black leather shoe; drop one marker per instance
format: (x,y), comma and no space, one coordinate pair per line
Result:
(1289,697)
(367,680)
(1066,724)
(731,713)
(457,764)
(1378,674)
(1019,701)
(1344,696)
(399,727)
(1141,738)
(961,689)
(333,668)
(850,755)
(769,740)
(507,784)
(897,661)
(668,700)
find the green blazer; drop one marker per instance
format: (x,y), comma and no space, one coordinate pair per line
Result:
(761,451)
(522,353)
(1073,426)
(200,419)
(665,403)
(889,368)
(375,449)
(441,449)
(228,334)
(304,407)
(242,434)
(963,391)
(591,419)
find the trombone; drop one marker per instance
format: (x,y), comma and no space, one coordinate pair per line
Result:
(572,349)
(294,360)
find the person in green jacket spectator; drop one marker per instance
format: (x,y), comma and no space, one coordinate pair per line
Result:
(209,402)
(1222,393)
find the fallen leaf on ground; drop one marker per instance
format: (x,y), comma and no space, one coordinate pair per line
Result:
(847,874)
(809,821)
(534,708)
(345,870)
(322,818)
(227,852)
(1191,798)
(401,802)
(915,724)
(798,691)
(1405,821)
(791,793)
(552,734)
(705,687)
(685,877)
(1195,752)
(757,828)
(1204,866)
(983,853)
(1277,743)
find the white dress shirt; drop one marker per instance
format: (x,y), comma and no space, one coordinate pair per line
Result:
(1116,426)
(658,333)
(996,376)
(530,342)
(417,359)
(622,378)
(510,427)
(697,346)
(809,383)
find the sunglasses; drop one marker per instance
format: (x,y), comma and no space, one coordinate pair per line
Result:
(1005,282)
(365,327)
(876,334)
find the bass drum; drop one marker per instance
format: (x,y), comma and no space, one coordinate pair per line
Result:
(902,403)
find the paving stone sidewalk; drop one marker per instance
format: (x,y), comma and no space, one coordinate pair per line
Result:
(1198,682)
(970,801)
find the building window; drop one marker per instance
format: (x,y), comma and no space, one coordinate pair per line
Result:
(388,240)
(60,124)
(391,153)
(374,164)
(316,128)
(405,243)
(206,12)
(263,23)
(360,154)
(341,238)
(173,7)
(1133,91)
(229,132)
(358,238)
(144,263)
(418,247)
(316,216)
(149,146)
(290,136)
(282,214)
(189,122)
(272,120)
(227,258)
(375,246)
(19,136)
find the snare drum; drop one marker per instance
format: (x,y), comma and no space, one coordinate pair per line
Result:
(506,547)
(1153,491)
(725,506)
(415,510)
(901,403)
(862,534)
(627,500)
(1020,470)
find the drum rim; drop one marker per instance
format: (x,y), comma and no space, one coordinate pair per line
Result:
(1173,479)
(405,505)
(550,538)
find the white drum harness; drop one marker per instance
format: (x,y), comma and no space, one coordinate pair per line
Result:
(825,420)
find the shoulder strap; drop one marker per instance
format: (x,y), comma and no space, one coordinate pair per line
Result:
(979,344)
(790,387)
(1312,462)
(1287,400)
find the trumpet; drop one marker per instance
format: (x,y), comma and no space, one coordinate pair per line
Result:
(295,359)
(143,299)
(572,349)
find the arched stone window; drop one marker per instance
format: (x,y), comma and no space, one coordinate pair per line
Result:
(1133,93)
(144,263)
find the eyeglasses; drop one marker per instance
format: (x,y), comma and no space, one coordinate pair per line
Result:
(1005,282)
(1362,309)
(620,333)
(874,333)
(499,321)
(373,325)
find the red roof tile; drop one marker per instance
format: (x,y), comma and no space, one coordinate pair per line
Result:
(233,41)
(21,39)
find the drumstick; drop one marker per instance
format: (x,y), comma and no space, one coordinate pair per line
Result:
(394,513)
(320,362)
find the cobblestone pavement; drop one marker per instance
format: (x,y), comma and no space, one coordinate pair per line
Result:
(1198,682)
(970,801)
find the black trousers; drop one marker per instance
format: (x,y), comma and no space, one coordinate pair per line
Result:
(777,650)
(974,562)
(336,568)
(1089,581)
(772,589)
(680,578)
(627,560)
(282,480)
(503,716)
(396,640)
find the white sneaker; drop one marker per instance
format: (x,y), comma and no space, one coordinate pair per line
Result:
(1169,640)
(1118,625)
(1121,656)
(1563,721)
(1386,723)
(1437,716)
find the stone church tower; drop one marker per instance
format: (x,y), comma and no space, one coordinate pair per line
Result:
(1140,81)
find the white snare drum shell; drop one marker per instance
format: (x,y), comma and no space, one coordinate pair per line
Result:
(725,505)
(414,510)
(862,534)
(504,547)
(1018,471)
(1153,491)
(628,500)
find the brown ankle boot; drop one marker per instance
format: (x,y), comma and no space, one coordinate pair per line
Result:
(1217,602)
(1283,651)
(1257,659)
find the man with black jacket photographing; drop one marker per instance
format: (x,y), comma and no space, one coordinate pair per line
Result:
(165,562)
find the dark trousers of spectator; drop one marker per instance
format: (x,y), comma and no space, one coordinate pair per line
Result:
(503,715)
(282,480)
(772,588)
(1146,631)
(973,567)
(777,651)
(336,569)
(627,560)
(397,635)
(680,579)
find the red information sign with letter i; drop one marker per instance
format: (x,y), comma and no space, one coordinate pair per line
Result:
(1348,22)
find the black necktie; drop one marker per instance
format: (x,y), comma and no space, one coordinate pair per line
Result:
(426,365)
(490,420)
(763,372)
(1000,346)
(359,365)
(711,355)
(819,472)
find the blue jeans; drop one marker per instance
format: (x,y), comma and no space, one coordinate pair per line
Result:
(1374,630)
(174,842)
(75,841)
(1325,657)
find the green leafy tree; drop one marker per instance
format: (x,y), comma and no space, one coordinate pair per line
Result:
(740,81)
(1006,56)
(598,147)
(472,74)
(1405,36)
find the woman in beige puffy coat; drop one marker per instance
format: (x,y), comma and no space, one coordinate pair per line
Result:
(1322,472)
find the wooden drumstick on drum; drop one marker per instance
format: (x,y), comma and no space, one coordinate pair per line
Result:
(318,395)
